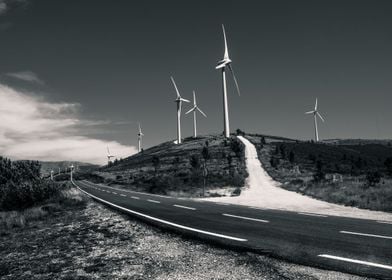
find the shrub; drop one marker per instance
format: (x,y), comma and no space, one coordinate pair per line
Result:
(373,178)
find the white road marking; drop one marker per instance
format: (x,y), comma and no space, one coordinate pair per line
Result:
(246,218)
(366,234)
(356,261)
(164,221)
(135,197)
(185,207)
(114,193)
(311,214)
(153,201)
(384,222)
(122,194)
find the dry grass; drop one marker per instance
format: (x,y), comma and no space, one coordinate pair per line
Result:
(69,197)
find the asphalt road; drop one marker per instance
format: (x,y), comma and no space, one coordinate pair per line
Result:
(356,246)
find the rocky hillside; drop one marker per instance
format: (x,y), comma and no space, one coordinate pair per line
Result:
(184,169)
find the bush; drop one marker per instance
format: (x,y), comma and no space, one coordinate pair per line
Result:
(21,185)
(373,178)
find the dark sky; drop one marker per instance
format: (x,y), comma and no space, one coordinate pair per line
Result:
(115,58)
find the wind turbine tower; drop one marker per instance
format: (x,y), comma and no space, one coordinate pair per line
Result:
(194,109)
(71,167)
(222,64)
(51,174)
(109,156)
(179,101)
(139,138)
(316,114)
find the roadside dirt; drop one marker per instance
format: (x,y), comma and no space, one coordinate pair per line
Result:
(262,191)
(94,242)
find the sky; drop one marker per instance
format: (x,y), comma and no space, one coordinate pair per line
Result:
(77,76)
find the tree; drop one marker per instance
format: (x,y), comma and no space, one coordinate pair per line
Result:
(156,163)
(373,178)
(206,155)
(263,140)
(240,132)
(319,175)
(292,157)
(388,165)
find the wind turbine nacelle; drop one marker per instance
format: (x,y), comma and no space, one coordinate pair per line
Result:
(223,63)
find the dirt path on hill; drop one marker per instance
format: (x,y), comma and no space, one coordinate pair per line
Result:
(262,191)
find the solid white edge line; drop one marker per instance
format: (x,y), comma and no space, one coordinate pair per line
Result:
(185,207)
(311,214)
(366,234)
(153,201)
(245,218)
(356,261)
(164,221)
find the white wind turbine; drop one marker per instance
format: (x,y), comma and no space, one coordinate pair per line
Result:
(194,110)
(179,101)
(139,138)
(109,156)
(226,62)
(315,113)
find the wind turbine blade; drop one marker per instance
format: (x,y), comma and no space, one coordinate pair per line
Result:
(315,105)
(185,100)
(226,55)
(320,116)
(140,129)
(191,110)
(175,86)
(201,112)
(235,79)
(194,98)
(310,112)
(107,147)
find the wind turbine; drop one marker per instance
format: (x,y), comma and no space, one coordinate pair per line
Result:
(51,174)
(109,156)
(139,138)
(315,113)
(194,110)
(71,171)
(179,101)
(222,64)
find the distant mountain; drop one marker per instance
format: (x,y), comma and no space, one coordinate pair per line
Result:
(387,142)
(47,166)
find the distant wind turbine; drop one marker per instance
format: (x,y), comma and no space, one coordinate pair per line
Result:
(194,110)
(226,62)
(315,113)
(179,101)
(139,138)
(109,156)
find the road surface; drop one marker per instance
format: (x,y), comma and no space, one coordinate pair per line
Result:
(356,246)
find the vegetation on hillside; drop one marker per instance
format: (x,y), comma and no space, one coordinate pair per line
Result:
(355,175)
(21,185)
(195,167)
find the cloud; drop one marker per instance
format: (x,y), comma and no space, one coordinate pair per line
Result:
(32,128)
(27,76)
(5,5)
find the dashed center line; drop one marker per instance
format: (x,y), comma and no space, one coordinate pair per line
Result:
(153,201)
(356,261)
(246,218)
(122,194)
(312,214)
(114,193)
(366,234)
(185,207)
(135,197)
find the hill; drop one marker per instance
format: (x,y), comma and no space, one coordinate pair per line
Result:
(346,172)
(47,166)
(184,169)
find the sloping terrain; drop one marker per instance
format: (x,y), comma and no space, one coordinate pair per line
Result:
(182,169)
(262,191)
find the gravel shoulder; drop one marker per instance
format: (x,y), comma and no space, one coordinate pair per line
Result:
(262,191)
(94,242)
